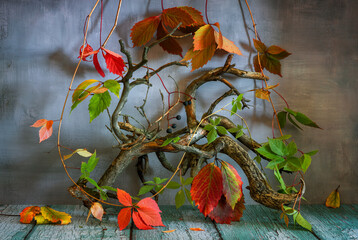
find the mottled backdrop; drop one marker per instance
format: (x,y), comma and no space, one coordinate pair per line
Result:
(39,42)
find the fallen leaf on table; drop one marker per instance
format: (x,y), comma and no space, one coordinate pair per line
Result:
(28,214)
(169,231)
(334,200)
(196,229)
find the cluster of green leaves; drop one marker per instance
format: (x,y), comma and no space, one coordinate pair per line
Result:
(101,98)
(156,184)
(238,130)
(87,168)
(236,104)
(300,117)
(297,217)
(213,129)
(170,140)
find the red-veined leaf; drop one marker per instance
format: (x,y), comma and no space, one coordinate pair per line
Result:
(207,188)
(222,213)
(170,45)
(144,30)
(97,210)
(138,221)
(87,50)
(149,202)
(204,37)
(232,184)
(28,214)
(114,61)
(149,212)
(124,198)
(227,45)
(97,66)
(46,128)
(124,217)
(173,16)
(239,209)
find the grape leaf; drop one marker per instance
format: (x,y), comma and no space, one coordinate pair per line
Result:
(113,86)
(204,37)
(45,130)
(114,61)
(55,216)
(124,217)
(262,94)
(124,198)
(173,16)
(144,30)
(170,45)
(196,229)
(222,213)
(207,188)
(28,214)
(334,200)
(98,103)
(138,221)
(199,58)
(196,16)
(144,189)
(149,211)
(227,44)
(232,184)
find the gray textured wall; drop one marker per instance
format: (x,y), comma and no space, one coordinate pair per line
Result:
(39,42)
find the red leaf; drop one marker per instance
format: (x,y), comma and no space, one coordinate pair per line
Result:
(97,66)
(124,198)
(114,61)
(169,45)
(222,213)
(232,184)
(207,188)
(144,30)
(239,209)
(173,16)
(140,224)
(148,210)
(46,128)
(28,214)
(124,217)
(87,50)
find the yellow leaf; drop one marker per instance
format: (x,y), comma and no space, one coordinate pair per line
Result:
(100,90)
(271,87)
(263,94)
(169,231)
(196,229)
(81,88)
(201,57)
(204,37)
(226,45)
(334,200)
(218,36)
(55,216)
(80,151)
(41,220)
(97,210)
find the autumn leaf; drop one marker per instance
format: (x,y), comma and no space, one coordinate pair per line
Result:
(232,184)
(170,45)
(239,209)
(149,212)
(173,16)
(197,17)
(269,57)
(124,198)
(28,214)
(78,93)
(80,151)
(207,188)
(204,37)
(100,90)
(55,216)
(196,229)
(41,220)
(199,58)
(97,210)
(144,30)
(222,213)
(262,94)
(169,231)
(114,61)
(86,50)
(45,130)
(97,66)
(334,200)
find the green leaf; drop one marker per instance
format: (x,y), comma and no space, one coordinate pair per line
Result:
(94,183)
(92,162)
(303,119)
(291,149)
(278,147)
(188,181)
(284,137)
(236,104)
(176,139)
(291,111)
(149,182)
(258,159)
(272,164)
(84,168)
(306,162)
(265,151)
(293,164)
(312,153)
(144,189)
(209,127)
(179,199)
(166,142)
(103,195)
(157,188)
(98,103)
(157,180)
(233,109)
(239,134)
(280,180)
(293,122)
(282,118)
(303,222)
(113,86)
(188,196)
(212,122)
(289,210)
(109,188)
(173,185)
(212,135)
(221,130)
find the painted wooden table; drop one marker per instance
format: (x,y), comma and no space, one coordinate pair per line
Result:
(258,222)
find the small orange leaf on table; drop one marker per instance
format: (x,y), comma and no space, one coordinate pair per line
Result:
(28,214)
(197,229)
(169,231)
(334,200)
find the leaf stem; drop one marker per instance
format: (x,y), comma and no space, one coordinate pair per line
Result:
(206,12)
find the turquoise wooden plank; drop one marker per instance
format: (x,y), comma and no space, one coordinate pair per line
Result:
(329,223)
(259,222)
(78,228)
(182,220)
(10,226)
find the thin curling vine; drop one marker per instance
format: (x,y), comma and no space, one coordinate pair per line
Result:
(214,185)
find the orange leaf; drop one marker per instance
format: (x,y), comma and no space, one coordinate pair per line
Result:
(218,36)
(285,217)
(207,188)
(78,92)
(169,231)
(271,87)
(197,229)
(114,61)
(277,52)
(97,210)
(138,221)
(124,198)
(28,214)
(124,217)
(334,200)
(260,46)
(199,58)
(204,37)
(197,17)
(173,16)
(55,216)
(46,128)
(144,30)
(263,94)
(227,45)
(100,90)
(170,45)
